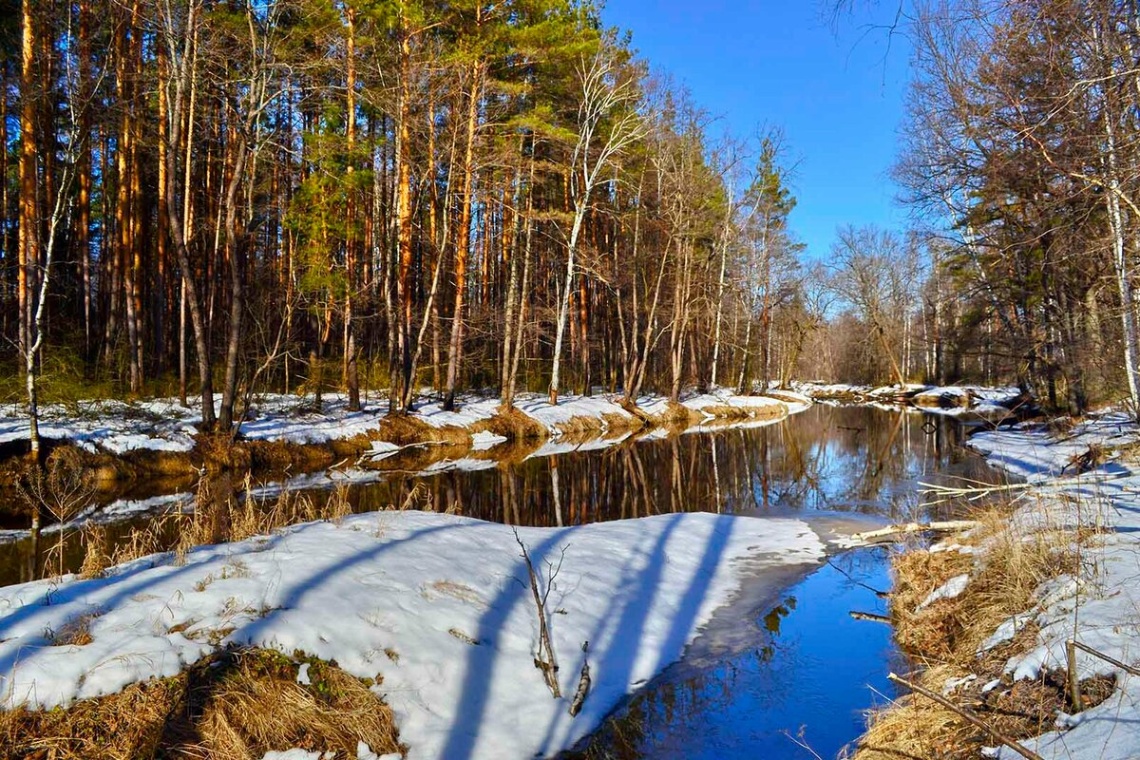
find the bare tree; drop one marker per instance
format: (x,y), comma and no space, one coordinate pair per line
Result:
(876,277)
(607,124)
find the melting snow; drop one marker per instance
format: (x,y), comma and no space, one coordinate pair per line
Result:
(437,607)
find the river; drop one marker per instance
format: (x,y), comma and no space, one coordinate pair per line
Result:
(784,671)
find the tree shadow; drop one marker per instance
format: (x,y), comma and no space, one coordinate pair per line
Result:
(622,626)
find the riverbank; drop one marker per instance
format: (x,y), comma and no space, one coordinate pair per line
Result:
(436,617)
(987,615)
(956,400)
(286,436)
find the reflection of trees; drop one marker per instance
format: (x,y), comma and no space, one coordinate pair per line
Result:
(857,459)
(827,458)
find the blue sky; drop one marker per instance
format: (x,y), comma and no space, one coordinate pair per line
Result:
(838,96)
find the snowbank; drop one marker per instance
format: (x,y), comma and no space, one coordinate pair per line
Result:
(436,607)
(1033,452)
(1100,606)
(164,425)
(947,400)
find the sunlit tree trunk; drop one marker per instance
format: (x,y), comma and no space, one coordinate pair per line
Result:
(463,237)
(28,257)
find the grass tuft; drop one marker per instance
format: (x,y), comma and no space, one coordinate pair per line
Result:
(237,705)
(946,640)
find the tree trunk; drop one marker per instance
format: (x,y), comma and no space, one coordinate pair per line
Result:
(404,226)
(463,239)
(182,77)
(28,255)
(235,254)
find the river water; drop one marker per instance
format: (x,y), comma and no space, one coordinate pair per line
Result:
(784,671)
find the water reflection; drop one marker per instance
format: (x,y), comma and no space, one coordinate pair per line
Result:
(798,691)
(845,459)
(855,460)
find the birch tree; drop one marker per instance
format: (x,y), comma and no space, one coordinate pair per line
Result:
(607,124)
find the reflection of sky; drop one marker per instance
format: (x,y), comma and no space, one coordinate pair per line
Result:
(818,672)
(856,459)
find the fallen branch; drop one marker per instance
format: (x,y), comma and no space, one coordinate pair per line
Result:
(545,660)
(910,528)
(584,681)
(969,716)
(870,617)
(981,491)
(1110,660)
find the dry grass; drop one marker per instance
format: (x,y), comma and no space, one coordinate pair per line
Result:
(96,557)
(1002,584)
(76,633)
(940,401)
(512,424)
(618,425)
(945,639)
(582,428)
(403,429)
(222,513)
(677,415)
(236,705)
(916,727)
(768,412)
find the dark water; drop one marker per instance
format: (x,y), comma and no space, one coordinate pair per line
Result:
(783,666)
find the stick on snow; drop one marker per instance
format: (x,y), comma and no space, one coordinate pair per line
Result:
(583,683)
(969,716)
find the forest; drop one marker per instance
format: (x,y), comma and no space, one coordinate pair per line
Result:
(224,198)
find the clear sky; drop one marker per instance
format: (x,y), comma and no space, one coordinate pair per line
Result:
(838,96)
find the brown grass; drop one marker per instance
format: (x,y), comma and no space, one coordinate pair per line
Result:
(222,513)
(76,633)
(940,401)
(1003,583)
(512,424)
(769,412)
(945,639)
(677,415)
(916,727)
(403,429)
(236,705)
(618,425)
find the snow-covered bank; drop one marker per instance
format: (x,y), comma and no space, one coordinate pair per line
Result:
(481,455)
(438,607)
(119,427)
(947,400)
(1084,502)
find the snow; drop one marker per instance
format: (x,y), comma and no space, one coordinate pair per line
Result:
(963,399)
(115,426)
(113,512)
(120,427)
(484,440)
(296,754)
(468,412)
(951,589)
(1031,451)
(364,752)
(569,408)
(422,586)
(1100,606)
